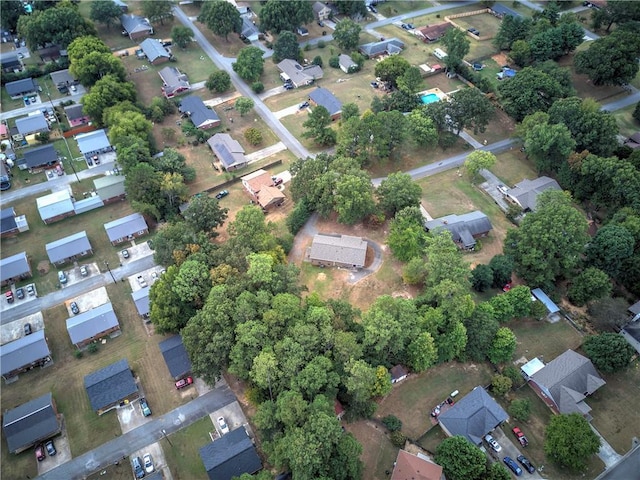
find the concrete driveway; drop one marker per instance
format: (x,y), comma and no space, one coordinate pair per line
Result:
(510,449)
(356,276)
(130,416)
(63,454)
(15,330)
(90,300)
(157,458)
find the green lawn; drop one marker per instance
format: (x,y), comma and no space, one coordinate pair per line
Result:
(182,454)
(513,166)
(627,124)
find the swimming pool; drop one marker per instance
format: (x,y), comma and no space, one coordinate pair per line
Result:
(429,98)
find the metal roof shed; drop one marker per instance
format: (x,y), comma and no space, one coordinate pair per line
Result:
(546,301)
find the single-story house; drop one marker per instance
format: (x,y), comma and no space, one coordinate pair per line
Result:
(8,224)
(22,88)
(392,46)
(69,248)
(126,228)
(35,159)
(398,373)
(75,115)
(415,467)
(86,327)
(321,11)
(14,268)
(525,193)
(50,52)
(475,415)
(299,75)
(155,52)
(201,116)
(228,151)
(55,206)
(249,30)
(109,387)
(31,423)
(135,26)
(110,188)
(338,251)
(9,62)
(93,143)
(62,78)
(346,63)
(230,456)
(256,181)
(324,98)
(465,229)
(565,382)
(635,311)
(633,141)
(87,204)
(32,124)
(433,33)
(141,300)
(176,357)
(500,10)
(174,82)
(23,354)
(625,467)
(552,308)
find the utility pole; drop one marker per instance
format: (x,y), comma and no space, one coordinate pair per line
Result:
(106,264)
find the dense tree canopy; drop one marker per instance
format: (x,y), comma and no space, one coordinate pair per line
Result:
(457,45)
(407,237)
(347,34)
(249,64)
(611,60)
(107,92)
(460,460)
(398,191)
(609,352)
(570,441)
(182,36)
(157,10)
(528,92)
(220,17)
(277,16)
(286,46)
(105,11)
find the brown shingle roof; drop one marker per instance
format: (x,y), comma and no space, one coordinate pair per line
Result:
(412,467)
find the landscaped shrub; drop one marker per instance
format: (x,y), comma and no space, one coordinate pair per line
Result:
(257,87)
(299,216)
(317,61)
(334,62)
(392,423)
(513,373)
(78,354)
(520,409)
(92,348)
(398,439)
(321,44)
(253,136)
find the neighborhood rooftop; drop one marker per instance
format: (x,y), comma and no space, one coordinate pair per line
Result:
(175,356)
(342,249)
(23,351)
(13,266)
(66,247)
(88,324)
(110,384)
(30,422)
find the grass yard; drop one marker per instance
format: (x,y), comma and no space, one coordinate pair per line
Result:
(543,339)
(378,453)
(39,234)
(413,399)
(586,89)
(513,166)
(487,24)
(398,7)
(183,453)
(500,127)
(627,124)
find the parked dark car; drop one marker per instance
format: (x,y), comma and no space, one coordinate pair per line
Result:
(524,461)
(74,308)
(40,453)
(27,329)
(222,194)
(20,293)
(303,105)
(51,448)
(509,462)
(277,181)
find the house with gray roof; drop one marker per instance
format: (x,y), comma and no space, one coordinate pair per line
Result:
(338,251)
(200,115)
(525,194)
(299,75)
(135,26)
(565,382)
(23,354)
(321,11)
(93,143)
(500,10)
(126,228)
(324,98)
(465,229)
(31,423)
(8,224)
(35,159)
(249,30)
(110,188)
(55,206)
(9,62)
(346,63)
(155,52)
(62,78)
(230,456)
(228,151)
(32,124)
(110,386)
(69,248)
(391,46)
(21,88)
(76,115)
(176,357)
(472,417)
(174,82)
(141,299)
(93,324)
(14,268)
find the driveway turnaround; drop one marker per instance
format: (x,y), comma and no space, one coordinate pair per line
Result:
(143,436)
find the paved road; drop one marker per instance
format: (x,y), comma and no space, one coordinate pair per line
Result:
(142,436)
(76,97)
(223,63)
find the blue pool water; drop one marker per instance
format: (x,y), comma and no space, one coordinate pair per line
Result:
(429,98)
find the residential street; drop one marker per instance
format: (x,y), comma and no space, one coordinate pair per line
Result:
(76,97)
(151,432)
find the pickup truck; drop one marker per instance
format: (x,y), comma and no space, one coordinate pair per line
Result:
(520,436)
(142,281)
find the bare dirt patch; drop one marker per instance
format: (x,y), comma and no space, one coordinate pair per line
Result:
(378,453)
(500,58)
(43,267)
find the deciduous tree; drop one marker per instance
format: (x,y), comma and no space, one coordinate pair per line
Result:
(168,312)
(502,267)
(609,352)
(107,92)
(591,284)
(354,198)
(422,352)
(398,191)
(156,10)
(481,277)
(407,238)
(460,459)
(286,46)
(569,440)
(457,46)
(481,330)
(610,60)
(243,105)
(221,18)
(479,160)
(204,214)
(469,108)
(249,64)
(105,11)
(503,346)
(500,385)
(219,81)
(610,247)
(528,92)
(520,409)
(391,68)
(411,80)
(277,16)
(347,34)
(317,126)
(422,129)
(95,66)
(182,36)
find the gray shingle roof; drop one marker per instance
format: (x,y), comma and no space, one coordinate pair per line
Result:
(54,204)
(7,220)
(14,266)
(31,124)
(500,9)
(568,378)
(24,351)
(66,247)
(39,156)
(526,192)
(389,46)
(462,227)
(323,97)
(9,60)
(298,74)
(475,415)
(21,87)
(110,385)
(135,23)
(198,112)
(91,142)
(175,356)
(30,422)
(230,455)
(62,77)
(344,249)
(73,112)
(154,49)
(346,62)
(141,299)
(173,80)
(125,226)
(90,323)
(228,150)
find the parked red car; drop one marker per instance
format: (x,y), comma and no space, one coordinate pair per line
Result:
(185,382)
(520,436)
(40,452)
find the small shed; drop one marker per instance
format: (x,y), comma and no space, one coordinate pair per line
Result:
(347,65)
(398,373)
(530,368)
(69,248)
(552,309)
